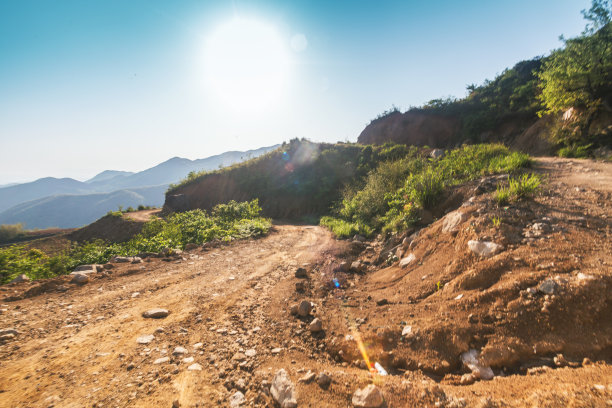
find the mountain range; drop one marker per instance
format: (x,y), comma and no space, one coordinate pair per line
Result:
(68,203)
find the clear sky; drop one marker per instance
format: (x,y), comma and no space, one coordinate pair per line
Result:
(113,84)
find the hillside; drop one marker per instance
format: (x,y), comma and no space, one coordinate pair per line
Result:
(524,326)
(299,179)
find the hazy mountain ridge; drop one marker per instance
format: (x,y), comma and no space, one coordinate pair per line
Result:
(67,203)
(69,211)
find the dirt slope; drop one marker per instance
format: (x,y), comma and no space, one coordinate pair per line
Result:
(77,345)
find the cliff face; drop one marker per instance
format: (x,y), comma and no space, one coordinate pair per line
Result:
(412,128)
(425,129)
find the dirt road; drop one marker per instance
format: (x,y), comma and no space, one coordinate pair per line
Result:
(80,348)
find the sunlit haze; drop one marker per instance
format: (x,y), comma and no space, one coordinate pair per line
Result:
(89,86)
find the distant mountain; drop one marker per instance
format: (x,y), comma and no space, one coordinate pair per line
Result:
(108,174)
(69,211)
(30,203)
(13,195)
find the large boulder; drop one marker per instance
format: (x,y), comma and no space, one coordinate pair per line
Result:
(368,397)
(283,390)
(484,248)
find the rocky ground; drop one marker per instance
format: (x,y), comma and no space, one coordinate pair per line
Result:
(283,318)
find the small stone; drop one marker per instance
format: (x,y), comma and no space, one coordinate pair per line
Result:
(560,360)
(161,360)
(301,273)
(197,346)
(176,404)
(4,332)
(382,302)
(467,379)
(304,308)
(548,287)
(146,339)
(155,313)
(324,380)
(276,350)
(250,353)
(315,326)
(586,361)
(236,399)
(195,367)
(179,351)
(470,359)
(308,377)
(293,310)
(240,357)
(343,267)
(407,331)
(357,266)
(452,221)
(188,360)
(79,278)
(368,397)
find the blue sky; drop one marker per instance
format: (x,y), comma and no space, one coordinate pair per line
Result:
(92,85)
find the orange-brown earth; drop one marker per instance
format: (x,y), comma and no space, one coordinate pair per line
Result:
(77,345)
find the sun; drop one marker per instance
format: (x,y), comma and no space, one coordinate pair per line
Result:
(246,64)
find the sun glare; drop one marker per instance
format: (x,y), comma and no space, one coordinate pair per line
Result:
(246,64)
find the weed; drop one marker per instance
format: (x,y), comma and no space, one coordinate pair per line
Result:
(524,186)
(502,196)
(496,221)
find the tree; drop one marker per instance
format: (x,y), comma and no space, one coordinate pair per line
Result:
(580,74)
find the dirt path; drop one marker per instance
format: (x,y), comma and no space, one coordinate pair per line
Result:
(142,216)
(80,347)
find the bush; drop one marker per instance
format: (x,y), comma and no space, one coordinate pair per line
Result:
(345,229)
(575,151)
(394,192)
(9,232)
(227,221)
(524,186)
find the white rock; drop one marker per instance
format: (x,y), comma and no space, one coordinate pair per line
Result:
(195,367)
(188,360)
(452,220)
(470,359)
(197,346)
(20,278)
(161,360)
(407,331)
(407,260)
(79,278)
(283,390)
(368,397)
(146,339)
(179,350)
(250,353)
(484,248)
(236,399)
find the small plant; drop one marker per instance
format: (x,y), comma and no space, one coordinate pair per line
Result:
(438,286)
(502,195)
(524,186)
(496,221)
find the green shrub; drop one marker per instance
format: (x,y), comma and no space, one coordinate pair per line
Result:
(575,151)
(345,229)
(524,186)
(395,192)
(227,221)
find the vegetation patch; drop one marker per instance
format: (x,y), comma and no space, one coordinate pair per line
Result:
(394,193)
(225,222)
